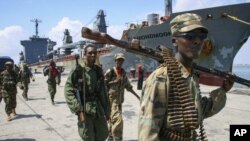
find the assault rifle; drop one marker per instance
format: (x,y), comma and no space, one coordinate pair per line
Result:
(82,115)
(134,47)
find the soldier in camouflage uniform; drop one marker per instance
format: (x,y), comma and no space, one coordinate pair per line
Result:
(9,80)
(1,86)
(86,96)
(25,75)
(116,81)
(172,109)
(54,77)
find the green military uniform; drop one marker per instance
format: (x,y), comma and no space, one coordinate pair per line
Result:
(54,77)
(116,98)
(9,81)
(0,88)
(25,75)
(95,104)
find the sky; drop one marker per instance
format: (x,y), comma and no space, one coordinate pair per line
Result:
(57,15)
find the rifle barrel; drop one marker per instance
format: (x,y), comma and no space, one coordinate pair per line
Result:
(222,74)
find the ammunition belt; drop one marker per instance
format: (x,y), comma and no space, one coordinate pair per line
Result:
(171,135)
(181,107)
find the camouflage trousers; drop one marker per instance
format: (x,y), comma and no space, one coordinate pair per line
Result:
(93,129)
(10,102)
(0,95)
(25,90)
(52,90)
(116,121)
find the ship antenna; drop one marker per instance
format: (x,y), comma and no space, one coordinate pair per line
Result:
(36,21)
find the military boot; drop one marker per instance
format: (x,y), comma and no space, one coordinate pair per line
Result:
(25,97)
(8,117)
(52,102)
(14,112)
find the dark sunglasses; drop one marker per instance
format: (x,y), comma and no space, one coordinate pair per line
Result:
(192,35)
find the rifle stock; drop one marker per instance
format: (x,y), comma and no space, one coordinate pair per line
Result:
(134,47)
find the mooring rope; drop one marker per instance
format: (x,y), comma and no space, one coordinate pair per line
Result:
(235,18)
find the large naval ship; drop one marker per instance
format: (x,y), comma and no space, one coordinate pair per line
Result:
(38,52)
(228,26)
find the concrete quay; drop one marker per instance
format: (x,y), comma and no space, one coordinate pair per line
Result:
(38,120)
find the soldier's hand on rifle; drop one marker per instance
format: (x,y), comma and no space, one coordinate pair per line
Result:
(227,84)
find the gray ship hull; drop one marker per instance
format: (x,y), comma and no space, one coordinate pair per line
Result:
(226,37)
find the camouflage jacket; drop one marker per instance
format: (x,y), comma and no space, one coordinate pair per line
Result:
(94,87)
(153,107)
(0,86)
(8,82)
(25,75)
(117,88)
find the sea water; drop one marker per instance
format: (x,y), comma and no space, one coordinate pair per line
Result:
(241,71)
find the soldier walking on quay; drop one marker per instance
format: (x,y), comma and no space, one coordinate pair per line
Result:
(1,96)
(116,81)
(172,107)
(8,80)
(54,77)
(140,77)
(24,76)
(86,96)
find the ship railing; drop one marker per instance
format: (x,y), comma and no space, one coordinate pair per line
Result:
(65,58)
(103,51)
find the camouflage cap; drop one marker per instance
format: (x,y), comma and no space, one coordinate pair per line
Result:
(186,22)
(8,63)
(119,56)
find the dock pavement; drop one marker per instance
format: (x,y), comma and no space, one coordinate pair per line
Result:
(38,120)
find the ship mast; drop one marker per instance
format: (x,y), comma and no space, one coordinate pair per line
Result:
(36,21)
(168,7)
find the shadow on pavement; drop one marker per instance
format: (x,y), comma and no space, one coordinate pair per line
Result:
(129,114)
(60,102)
(37,98)
(19,116)
(127,105)
(23,139)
